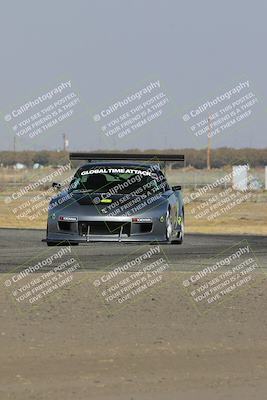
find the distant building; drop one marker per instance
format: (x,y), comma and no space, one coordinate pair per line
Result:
(37,166)
(19,166)
(240,177)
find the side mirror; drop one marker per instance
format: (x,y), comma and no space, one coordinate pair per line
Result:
(177,187)
(56,185)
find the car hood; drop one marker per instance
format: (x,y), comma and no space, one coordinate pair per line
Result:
(85,202)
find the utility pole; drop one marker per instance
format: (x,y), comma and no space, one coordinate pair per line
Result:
(14,144)
(65,142)
(209,145)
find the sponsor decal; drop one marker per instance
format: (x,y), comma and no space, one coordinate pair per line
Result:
(106,201)
(138,220)
(68,219)
(117,171)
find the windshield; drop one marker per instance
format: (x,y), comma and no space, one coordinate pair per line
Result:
(117,180)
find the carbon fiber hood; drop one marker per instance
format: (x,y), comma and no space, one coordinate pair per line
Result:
(116,204)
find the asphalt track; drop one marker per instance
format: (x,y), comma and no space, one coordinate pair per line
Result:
(158,348)
(18,246)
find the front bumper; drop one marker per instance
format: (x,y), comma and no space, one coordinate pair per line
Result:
(105,230)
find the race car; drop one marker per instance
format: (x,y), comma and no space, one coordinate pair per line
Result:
(115,197)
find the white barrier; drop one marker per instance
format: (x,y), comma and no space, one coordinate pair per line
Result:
(240,177)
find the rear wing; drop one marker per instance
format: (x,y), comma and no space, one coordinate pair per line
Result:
(127,156)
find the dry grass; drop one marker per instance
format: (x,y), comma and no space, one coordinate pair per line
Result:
(246,218)
(249,217)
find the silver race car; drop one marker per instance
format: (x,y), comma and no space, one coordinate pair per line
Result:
(116,197)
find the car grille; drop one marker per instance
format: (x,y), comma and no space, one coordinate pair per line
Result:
(104,228)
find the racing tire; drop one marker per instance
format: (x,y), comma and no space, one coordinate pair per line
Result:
(180,235)
(168,233)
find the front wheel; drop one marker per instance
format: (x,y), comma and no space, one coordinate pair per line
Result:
(180,235)
(168,233)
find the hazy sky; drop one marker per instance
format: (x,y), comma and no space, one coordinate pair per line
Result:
(110,49)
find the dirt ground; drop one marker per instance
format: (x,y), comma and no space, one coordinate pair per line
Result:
(159,347)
